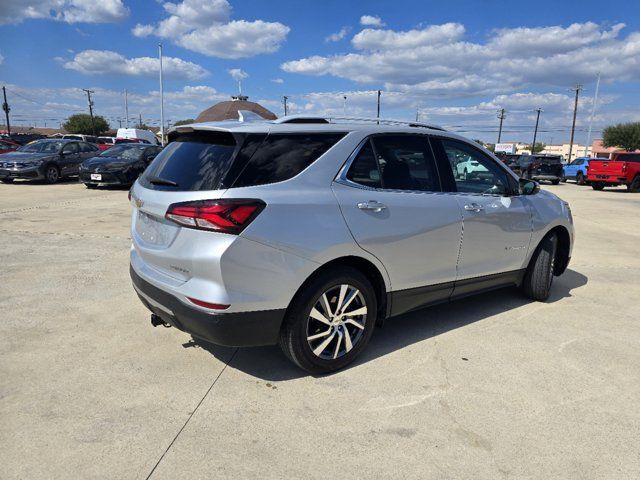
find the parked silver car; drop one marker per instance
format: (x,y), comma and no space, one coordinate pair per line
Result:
(308,232)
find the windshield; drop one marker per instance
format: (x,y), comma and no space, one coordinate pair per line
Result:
(42,147)
(124,152)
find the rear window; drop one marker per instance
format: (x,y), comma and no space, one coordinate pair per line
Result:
(549,160)
(194,161)
(628,157)
(283,156)
(215,160)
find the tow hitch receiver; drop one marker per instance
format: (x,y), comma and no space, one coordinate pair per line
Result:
(156,321)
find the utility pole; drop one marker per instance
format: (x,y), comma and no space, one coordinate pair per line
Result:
(7,109)
(379,107)
(593,112)
(535,132)
(119,123)
(417,114)
(161,98)
(344,105)
(285,98)
(577,89)
(501,116)
(126,109)
(93,126)
(139,120)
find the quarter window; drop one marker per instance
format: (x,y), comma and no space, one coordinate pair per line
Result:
(474,172)
(364,169)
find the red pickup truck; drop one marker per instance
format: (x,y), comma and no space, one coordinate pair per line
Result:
(622,169)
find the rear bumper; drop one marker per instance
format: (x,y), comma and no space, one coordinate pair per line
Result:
(108,178)
(549,177)
(242,329)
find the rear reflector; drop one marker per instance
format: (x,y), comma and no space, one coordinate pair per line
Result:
(226,216)
(212,306)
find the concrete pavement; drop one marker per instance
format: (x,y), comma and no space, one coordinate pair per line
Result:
(489,387)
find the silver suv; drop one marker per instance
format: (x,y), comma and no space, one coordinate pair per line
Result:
(308,231)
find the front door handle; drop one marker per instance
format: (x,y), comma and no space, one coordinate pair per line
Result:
(474,207)
(372,205)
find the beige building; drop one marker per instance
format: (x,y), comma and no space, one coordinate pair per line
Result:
(562,150)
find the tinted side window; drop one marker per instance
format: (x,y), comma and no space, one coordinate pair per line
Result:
(283,156)
(364,169)
(70,148)
(86,147)
(473,171)
(406,163)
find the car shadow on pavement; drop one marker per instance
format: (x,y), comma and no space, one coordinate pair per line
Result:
(269,363)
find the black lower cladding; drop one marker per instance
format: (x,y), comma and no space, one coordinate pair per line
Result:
(247,329)
(403,301)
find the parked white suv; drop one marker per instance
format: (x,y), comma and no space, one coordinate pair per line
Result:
(307,232)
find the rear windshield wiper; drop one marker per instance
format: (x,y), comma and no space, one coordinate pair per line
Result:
(162,181)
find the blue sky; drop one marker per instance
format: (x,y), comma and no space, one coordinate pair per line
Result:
(453,63)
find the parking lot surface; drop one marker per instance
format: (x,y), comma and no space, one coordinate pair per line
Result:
(494,386)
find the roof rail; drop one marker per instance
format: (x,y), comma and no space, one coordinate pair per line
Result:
(342,119)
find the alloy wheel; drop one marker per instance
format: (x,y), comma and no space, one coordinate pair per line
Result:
(52,174)
(336,322)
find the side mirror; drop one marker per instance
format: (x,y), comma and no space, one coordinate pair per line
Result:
(528,187)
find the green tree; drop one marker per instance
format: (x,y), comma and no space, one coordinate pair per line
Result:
(184,122)
(622,135)
(491,147)
(537,148)
(81,123)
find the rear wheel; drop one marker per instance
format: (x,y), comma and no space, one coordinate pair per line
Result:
(539,276)
(7,180)
(90,185)
(330,321)
(597,186)
(634,186)
(580,179)
(51,174)
(564,179)
(555,182)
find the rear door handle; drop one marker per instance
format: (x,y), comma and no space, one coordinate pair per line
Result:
(474,207)
(372,205)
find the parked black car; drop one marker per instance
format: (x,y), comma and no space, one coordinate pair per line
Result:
(537,167)
(48,160)
(119,165)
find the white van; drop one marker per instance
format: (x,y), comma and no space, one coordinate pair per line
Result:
(136,134)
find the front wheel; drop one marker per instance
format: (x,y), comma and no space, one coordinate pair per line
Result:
(330,321)
(7,180)
(597,186)
(634,186)
(539,276)
(580,179)
(555,182)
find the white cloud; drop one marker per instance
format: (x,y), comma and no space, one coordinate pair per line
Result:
(100,62)
(142,30)
(237,74)
(371,21)
(1,59)
(204,26)
(339,35)
(69,11)
(436,60)
(278,81)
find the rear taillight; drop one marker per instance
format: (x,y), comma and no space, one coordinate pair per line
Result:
(624,167)
(226,216)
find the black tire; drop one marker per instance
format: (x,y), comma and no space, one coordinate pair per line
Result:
(7,180)
(564,179)
(298,323)
(580,179)
(539,276)
(555,182)
(597,186)
(634,186)
(90,185)
(51,174)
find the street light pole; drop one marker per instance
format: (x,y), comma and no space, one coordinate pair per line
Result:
(379,107)
(344,105)
(535,132)
(285,98)
(161,97)
(593,112)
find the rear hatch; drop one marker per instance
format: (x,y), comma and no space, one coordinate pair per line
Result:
(548,166)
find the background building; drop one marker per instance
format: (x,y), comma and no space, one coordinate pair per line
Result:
(228,110)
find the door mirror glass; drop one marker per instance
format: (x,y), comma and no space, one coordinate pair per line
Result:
(529,187)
